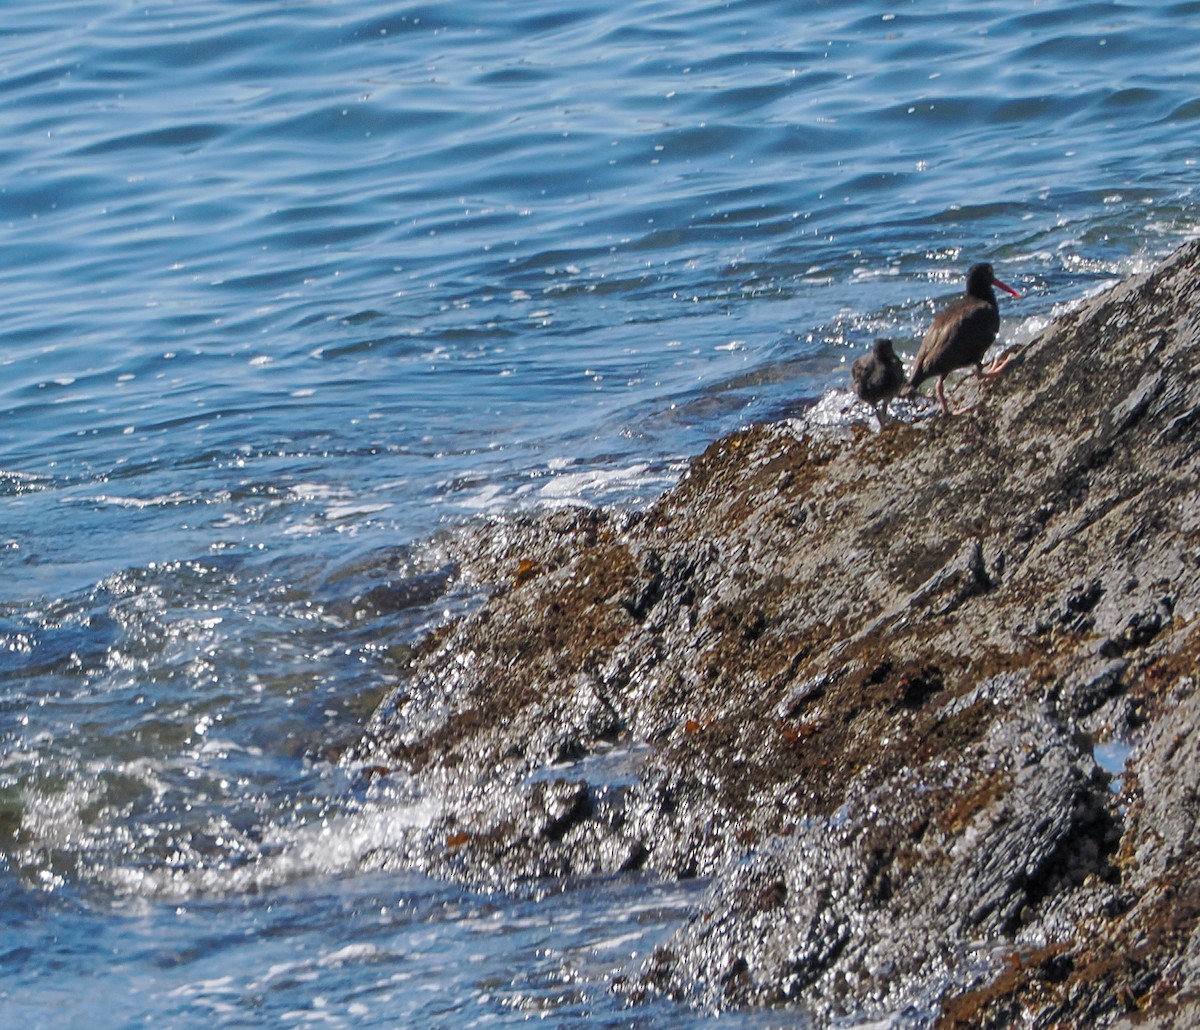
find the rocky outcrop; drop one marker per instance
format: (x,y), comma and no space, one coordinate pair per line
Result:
(858,680)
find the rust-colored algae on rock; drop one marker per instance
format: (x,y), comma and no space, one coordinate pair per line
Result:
(857,681)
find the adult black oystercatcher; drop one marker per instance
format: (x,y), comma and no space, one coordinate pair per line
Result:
(961,334)
(877,377)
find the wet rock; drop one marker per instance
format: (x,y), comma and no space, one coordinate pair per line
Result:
(967,852)
(863,676)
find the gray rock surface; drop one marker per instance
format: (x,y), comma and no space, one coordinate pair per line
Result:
(857,680)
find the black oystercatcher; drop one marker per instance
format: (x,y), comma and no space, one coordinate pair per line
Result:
(961,334)
(878,377)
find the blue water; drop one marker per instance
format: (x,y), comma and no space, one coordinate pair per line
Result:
(290,288)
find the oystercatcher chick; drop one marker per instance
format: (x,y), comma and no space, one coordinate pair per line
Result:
(877,378)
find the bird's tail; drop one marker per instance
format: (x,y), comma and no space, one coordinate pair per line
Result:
(915,379)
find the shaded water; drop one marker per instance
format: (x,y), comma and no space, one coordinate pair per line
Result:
(289,288)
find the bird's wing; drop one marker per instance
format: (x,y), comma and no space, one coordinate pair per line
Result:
(930,350)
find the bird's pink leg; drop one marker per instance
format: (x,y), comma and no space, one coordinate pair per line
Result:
(941,394)
(1000,364)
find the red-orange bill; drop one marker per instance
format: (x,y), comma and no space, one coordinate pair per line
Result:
(1006,288)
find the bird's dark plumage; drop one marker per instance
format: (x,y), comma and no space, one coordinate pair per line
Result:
(877,377)
(961,333)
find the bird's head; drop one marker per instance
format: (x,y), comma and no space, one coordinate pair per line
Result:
(980,280)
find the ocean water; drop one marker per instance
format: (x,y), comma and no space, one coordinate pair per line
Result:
(289,289)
